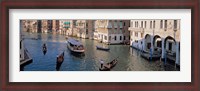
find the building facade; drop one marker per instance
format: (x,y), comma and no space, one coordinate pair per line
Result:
(112,31)
(29,25)
(44,26)
(55,26)
(65,27)
(85,28)
(157,36)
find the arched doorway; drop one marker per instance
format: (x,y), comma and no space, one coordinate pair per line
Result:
(147,42)
(170,48)
(157,43)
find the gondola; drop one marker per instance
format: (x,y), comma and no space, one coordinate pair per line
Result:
(108,66)
(44,49)
(59,61)
(102,48)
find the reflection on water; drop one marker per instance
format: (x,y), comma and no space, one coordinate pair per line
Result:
(129,58)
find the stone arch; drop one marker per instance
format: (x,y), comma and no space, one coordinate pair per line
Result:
(170,48)
(157,44)
(147,41)
(168,38)
(155,38)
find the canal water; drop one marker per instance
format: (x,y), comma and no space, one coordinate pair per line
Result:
(129,59)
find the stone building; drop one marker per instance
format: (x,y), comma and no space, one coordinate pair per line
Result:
(158,36)
(112,31)
(44,26)
(29,25)
(55,26)
(65,27)
(85,28)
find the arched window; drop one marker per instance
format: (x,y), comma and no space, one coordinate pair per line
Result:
(161,24)
(150,24)
(142,24)
(165,25)
(154,22)
(175,24)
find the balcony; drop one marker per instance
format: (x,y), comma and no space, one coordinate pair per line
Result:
(136,29)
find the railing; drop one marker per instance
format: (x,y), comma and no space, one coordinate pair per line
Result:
(136,29)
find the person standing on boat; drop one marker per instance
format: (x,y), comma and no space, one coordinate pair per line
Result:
(102,62)
(44,46)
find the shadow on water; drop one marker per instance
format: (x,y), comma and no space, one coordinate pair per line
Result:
(78,55)
(44,52)
(21,68)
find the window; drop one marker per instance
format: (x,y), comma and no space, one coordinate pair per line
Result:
(175,24)
(145,24)
(105,37)
(165,25)
(120,37)
(161,24)
(120,31)
(150,24)
(124,37)
(154,24)
(121,24)
(109,37)
(86,24)
(135,24)
(142,24)
(131,24)
(136,34)
(115,37)
(124,24)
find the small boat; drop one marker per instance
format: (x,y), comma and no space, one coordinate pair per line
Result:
(103,48)
(66,37)
(75,46)
(108,66)
(127,42)
(44,49)
(59,61)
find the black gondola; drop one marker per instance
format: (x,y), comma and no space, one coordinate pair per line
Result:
(102,48)
(44,49)
(59,61)
(108,66)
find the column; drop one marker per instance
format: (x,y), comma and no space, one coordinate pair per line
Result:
(163,49)
(143,44)
(177,54)
(152,46)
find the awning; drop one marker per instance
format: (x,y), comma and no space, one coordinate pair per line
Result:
(66,22)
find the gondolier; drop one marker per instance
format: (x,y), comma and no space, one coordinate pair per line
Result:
(102,62)
(107,66)
(44,48)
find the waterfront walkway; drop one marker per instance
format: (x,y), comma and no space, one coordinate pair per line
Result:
(27,58)
(148,56)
